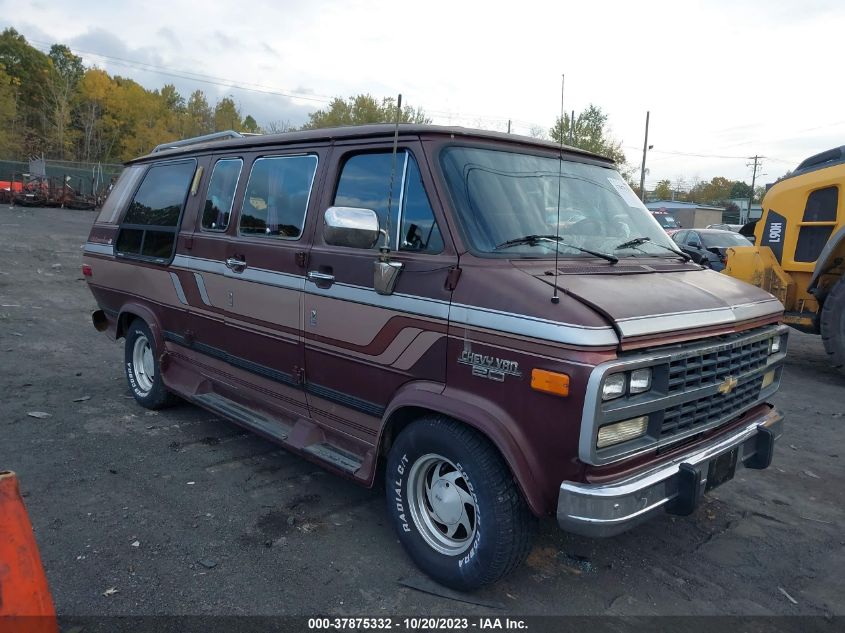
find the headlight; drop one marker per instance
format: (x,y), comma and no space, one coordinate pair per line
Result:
(640,380)
(775,344)
(613,386)
(619,432)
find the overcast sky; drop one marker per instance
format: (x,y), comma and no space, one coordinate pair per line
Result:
(725,79)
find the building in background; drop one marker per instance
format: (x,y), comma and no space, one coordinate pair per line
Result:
(689,214)
(744,215)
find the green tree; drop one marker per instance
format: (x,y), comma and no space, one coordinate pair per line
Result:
(199,118)
(8,113)
(588,131)
(173,101)
(663,190)
(64,74)
(361,110)
(250,125)
(227,116)
(29,68)
(740,189)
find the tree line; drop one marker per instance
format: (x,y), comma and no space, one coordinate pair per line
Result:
(52,105)
(717,191)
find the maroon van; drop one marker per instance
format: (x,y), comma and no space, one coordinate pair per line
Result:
(498,320)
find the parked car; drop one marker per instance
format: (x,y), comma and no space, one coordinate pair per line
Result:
(502,361)
(666,219)
(725,227)
(708,246)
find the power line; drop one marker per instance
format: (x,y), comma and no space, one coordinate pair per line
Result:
(261,88)
(208,79)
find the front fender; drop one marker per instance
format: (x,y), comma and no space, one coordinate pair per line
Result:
(486,417)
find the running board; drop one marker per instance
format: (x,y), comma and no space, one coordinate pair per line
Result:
(244,416)
(335,456)
(275,430)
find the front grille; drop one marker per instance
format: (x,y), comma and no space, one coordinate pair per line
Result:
(709,409)
(685,398)
(712,367)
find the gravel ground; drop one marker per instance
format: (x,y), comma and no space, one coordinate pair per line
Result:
(179,512)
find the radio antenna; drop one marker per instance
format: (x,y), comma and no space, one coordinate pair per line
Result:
(385,249)
(555,297)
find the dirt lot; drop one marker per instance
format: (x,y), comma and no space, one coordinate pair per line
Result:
(182,513)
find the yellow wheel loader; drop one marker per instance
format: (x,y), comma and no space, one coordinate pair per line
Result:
(799,252)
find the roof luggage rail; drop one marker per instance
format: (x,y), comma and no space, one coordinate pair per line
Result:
(215,136)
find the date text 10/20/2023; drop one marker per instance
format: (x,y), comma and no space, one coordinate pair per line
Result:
(417,624)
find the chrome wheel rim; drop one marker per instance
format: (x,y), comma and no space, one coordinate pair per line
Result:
(143,365)
(441,504)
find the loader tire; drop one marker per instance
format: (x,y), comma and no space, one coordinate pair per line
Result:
(833,325)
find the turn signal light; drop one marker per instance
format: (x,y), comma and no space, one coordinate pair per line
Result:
(550,382)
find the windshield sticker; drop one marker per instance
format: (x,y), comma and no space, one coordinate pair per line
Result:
(626,192)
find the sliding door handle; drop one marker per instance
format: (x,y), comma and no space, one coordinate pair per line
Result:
(324,280)
(236,265)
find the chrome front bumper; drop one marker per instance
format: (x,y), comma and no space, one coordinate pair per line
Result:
(610,508)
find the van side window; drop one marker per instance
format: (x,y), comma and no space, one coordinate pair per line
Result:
(152,220)
(364,183)
(277,196)
(119,194)
(221,194)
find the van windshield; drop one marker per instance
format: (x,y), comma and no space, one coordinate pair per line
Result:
(502,196)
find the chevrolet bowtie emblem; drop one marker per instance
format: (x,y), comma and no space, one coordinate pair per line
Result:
(728,385)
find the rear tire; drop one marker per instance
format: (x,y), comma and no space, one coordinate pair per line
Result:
(833,324)
(455,505)
(140,362)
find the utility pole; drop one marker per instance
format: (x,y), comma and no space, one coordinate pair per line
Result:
(645,151)
(755,165)
(509,126)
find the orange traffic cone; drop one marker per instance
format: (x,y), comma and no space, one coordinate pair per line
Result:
(25,602)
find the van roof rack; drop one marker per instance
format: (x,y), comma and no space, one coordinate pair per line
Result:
(215,136)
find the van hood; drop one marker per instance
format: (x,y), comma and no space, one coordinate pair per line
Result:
(640,301)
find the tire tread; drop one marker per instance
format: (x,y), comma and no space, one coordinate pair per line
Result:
(833,325)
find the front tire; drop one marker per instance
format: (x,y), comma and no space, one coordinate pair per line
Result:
(140,362)
(833,325)
(455,505)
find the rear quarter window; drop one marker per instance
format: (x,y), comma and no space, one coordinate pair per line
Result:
(152,220)
(120,194)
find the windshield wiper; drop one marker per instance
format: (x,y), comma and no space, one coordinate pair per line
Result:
(638,241)
(534,240)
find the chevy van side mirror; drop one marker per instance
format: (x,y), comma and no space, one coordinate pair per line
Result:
(350,226)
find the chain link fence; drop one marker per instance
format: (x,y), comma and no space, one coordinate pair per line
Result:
(86,179)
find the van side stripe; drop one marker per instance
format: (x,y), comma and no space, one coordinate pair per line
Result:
(532,327)
(99,249)
(201,287)
(458,314)
(325,393)
(180,292)
(257,275)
